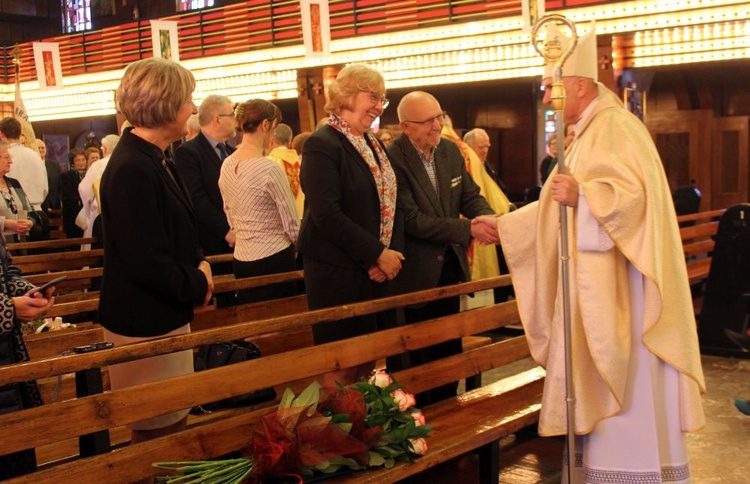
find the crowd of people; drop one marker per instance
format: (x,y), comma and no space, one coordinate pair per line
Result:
(370,213)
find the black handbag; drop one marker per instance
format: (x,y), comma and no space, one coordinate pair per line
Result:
(40,230)
(222,354)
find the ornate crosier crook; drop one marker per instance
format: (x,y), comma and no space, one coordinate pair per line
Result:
(553,53)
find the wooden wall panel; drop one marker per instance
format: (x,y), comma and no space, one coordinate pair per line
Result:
(684,138)
(730,165)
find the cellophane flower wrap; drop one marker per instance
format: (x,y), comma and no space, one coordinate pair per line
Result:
(324,429)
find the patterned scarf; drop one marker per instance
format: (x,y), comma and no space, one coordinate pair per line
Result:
(382,172)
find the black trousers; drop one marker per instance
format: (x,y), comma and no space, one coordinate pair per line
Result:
(328,285)
(282,261)
(451,274)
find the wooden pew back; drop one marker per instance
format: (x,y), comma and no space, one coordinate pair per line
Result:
(40,426)
(697,231)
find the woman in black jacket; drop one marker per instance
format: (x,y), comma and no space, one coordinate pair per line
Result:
(350,231)
(154,270)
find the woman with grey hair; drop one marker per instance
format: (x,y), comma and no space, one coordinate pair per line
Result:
(154,270)
(350,226)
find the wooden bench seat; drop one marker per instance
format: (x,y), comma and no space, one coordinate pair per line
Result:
(470,422)
(83,268)
(40,246)
(696,232)
(493,411)
(55,343)
(60,261)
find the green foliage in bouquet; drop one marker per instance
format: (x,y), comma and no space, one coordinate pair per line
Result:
(403,431)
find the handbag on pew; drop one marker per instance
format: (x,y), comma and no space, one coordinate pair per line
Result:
(222,354)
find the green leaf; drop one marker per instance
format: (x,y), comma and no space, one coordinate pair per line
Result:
(389,463)
(422,431)
(330,469)
(339,418)
(286,399)
(392,387)
(345,461)
(309,396)
(376,459)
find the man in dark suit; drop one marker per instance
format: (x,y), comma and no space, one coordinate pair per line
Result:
(434,189)
(199,161)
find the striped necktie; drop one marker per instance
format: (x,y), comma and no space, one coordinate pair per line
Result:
(222,150)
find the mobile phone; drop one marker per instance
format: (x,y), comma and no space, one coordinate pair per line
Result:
(103,345)
(44,286)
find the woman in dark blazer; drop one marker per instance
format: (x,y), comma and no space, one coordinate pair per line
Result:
(71,199)
(349,225)
(154,270)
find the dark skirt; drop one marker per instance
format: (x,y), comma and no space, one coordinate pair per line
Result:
(327,286)
(282,261)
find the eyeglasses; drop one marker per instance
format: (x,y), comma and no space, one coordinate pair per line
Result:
(6,157)
(220,115)
(379,99)
(440,118)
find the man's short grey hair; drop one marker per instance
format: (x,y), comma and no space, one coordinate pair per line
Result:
(193,124)
(283,134)
(109,142)
(471,135)
(210,107)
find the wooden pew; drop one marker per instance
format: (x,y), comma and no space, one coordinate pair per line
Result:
(59,261)
(475,420)
(41,268)
(56,342)
(56,224)
(41,246)
(79,279)
(697,231)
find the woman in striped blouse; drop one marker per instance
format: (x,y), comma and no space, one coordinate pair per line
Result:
(259,204)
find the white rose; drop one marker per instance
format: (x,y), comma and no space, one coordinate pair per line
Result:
(419,445)
(418,418)
(380,379)
(403,400)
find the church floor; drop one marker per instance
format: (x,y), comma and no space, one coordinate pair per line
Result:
(718,453)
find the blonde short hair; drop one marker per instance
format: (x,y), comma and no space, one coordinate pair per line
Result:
(351,81)
(152,91)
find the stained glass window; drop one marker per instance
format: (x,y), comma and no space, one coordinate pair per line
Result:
(76,15)
(184,5)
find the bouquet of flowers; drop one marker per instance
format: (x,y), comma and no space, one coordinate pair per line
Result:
(323,429)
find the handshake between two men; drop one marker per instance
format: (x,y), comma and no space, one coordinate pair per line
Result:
(484,229)
(564,189)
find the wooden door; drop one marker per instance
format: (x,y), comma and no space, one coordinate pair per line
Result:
(683,139)
(729,167)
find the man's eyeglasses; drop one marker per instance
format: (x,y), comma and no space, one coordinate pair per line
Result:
(220,115)
(440,118)
(5,157)
(379,99)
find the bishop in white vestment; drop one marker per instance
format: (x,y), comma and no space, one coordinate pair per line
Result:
(636,365)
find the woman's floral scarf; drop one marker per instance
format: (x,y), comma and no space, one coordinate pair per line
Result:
(382,172)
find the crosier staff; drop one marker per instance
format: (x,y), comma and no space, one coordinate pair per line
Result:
(552,52)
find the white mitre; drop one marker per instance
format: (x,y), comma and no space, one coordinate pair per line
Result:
(583,62)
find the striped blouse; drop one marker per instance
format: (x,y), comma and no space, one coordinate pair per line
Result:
(259,205)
